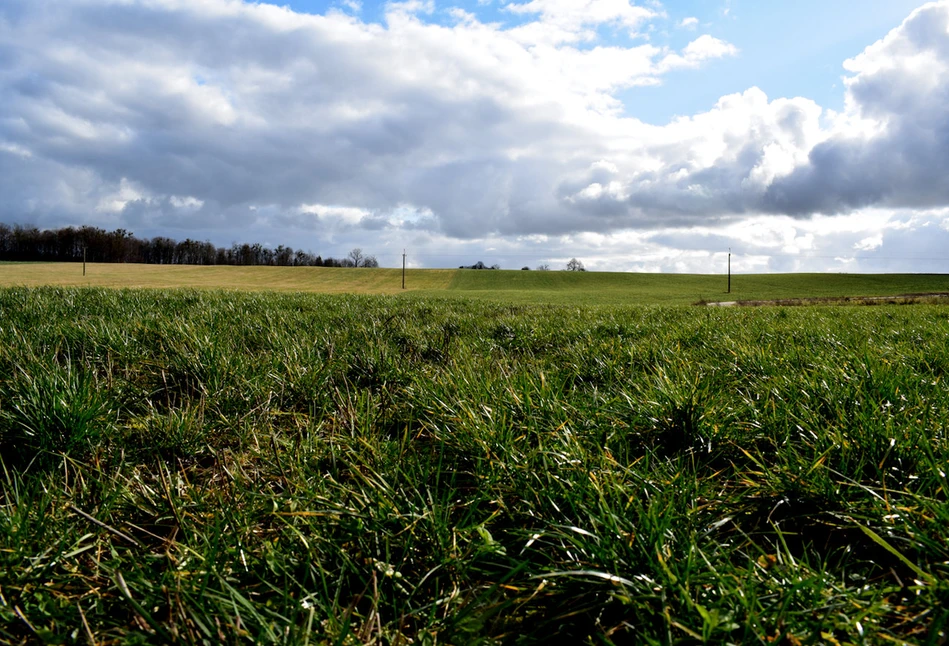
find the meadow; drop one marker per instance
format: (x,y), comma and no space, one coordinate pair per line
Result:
(520,287)
(202,466)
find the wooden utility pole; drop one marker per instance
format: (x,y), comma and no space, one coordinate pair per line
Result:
(403,269)
(83,261)
(729,270)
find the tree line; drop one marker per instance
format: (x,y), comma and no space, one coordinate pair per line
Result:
(572,265)
(72,244)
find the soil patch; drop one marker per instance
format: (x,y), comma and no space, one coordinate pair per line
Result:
(929,298)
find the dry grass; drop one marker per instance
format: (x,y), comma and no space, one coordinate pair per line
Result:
(325,280)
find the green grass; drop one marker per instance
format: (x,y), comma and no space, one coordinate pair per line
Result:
(208,467)
(601,288)
(519,287)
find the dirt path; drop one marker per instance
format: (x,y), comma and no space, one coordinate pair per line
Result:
(898,299)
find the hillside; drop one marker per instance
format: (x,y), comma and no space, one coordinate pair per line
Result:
(555,287)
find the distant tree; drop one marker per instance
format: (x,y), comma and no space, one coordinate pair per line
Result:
(70,244)
(370,261)
(243,255)
(283,256)
(543,267)
(355,256)
(575,265)
(495,266)
(525,268)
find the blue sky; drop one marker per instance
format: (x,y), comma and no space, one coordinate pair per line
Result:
(637,136)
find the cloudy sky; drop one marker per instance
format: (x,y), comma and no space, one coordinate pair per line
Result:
(635,135)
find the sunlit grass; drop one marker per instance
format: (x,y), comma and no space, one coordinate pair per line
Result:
(289,468)
(278,279)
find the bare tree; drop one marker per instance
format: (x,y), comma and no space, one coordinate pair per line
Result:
(356,257)
(370,261)
(544,267)
(575,265)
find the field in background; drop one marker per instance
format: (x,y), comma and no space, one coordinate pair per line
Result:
(595,288)
(555,287)
(324,280)
(222,467)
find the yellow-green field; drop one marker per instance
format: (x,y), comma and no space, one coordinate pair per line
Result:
(326,280)
(559,287)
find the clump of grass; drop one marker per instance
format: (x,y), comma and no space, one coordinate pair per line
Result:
(50,409)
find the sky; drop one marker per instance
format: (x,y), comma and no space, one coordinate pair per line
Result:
(633,135)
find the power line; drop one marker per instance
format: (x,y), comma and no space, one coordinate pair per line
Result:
(835,256)
(652,255)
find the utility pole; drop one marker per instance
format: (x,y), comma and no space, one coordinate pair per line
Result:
(729,270)
(83,261)
(403,269)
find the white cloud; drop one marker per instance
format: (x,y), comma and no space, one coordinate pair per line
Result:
(869,243)
(116,201)
(15,149)
(345,214)
(701,49)
(573,20)
(411,7)
(689,23)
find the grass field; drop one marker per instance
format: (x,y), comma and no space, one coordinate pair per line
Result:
(205,467)
(556,287)
(588,288)
(326,280)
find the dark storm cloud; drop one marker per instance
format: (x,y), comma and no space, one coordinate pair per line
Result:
(905,167)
